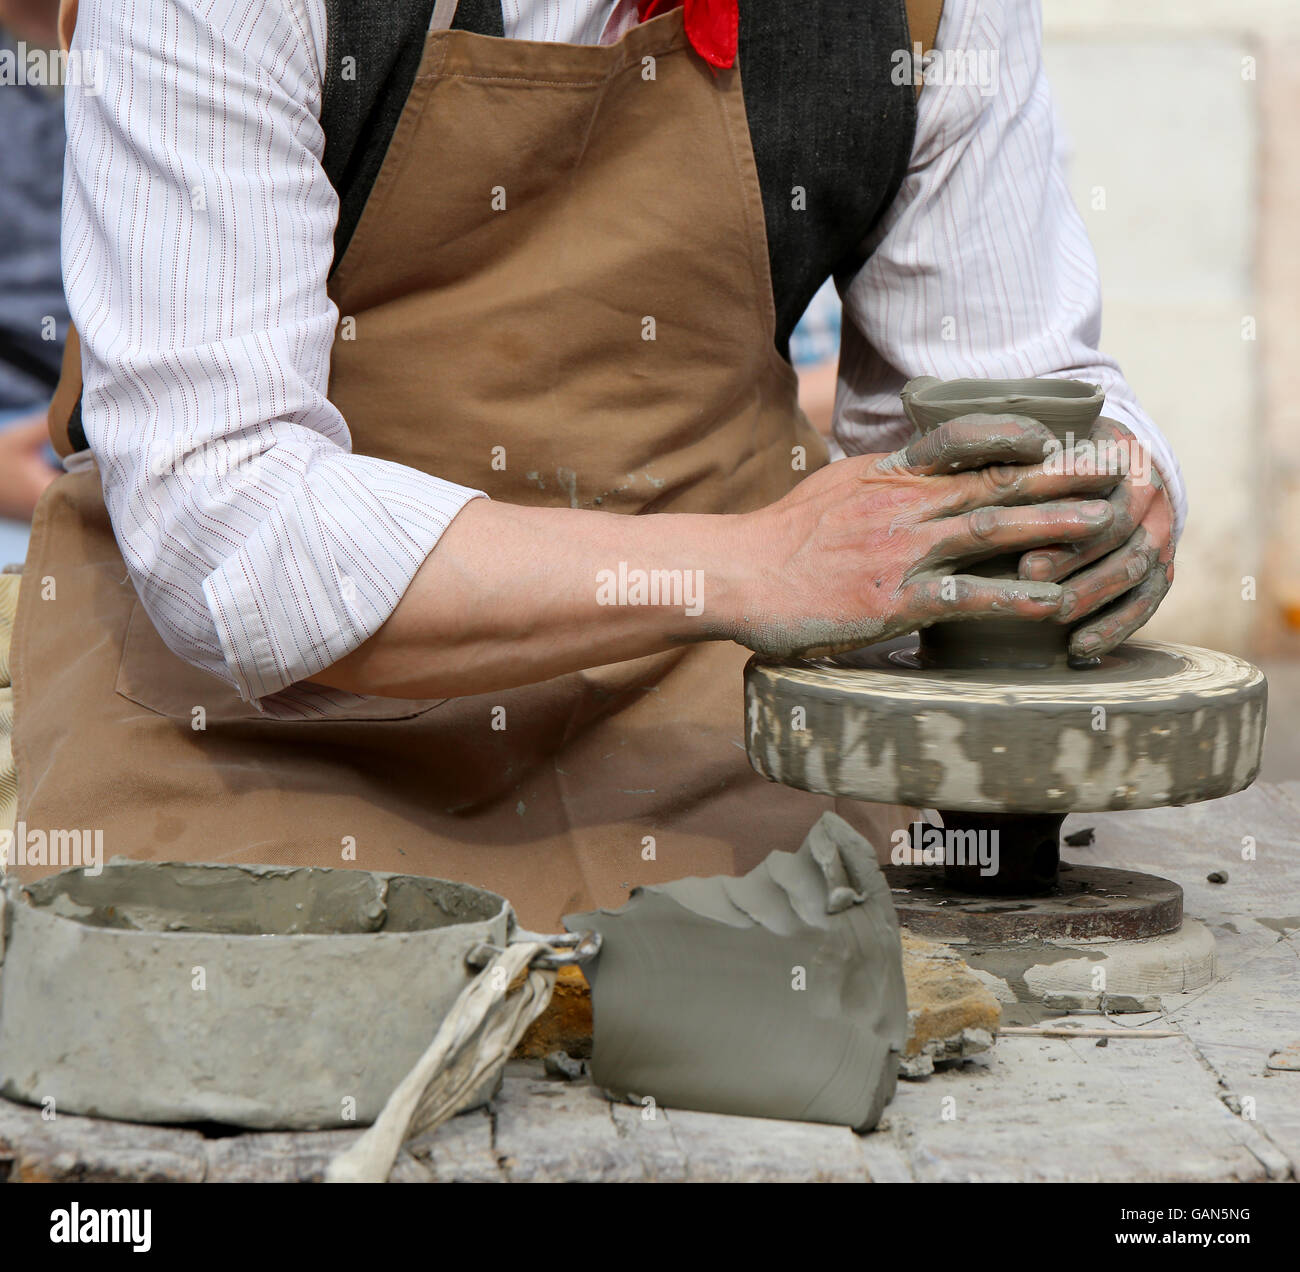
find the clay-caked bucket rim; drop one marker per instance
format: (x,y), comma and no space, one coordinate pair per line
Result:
(308,1025)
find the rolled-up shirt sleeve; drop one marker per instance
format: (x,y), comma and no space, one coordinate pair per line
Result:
(981,266)
(197,239)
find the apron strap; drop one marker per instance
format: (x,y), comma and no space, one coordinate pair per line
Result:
(923,24)
(444,14)
(65,410)
(66,434)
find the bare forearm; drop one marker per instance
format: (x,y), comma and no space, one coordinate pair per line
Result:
(514,595)
(862,550)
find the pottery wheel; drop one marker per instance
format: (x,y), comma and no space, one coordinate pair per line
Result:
(991,723)
(1004,753)
(1149,725)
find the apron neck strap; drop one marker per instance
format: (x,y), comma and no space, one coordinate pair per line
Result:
(444,14)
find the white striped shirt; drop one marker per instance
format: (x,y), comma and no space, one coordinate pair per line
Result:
(198,233)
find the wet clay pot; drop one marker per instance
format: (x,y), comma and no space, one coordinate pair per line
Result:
(1069,408)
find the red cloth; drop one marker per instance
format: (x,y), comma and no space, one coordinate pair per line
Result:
(712,26)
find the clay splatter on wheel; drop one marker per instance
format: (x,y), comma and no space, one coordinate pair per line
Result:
(1151,725)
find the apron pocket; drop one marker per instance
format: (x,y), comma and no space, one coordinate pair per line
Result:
(154,678)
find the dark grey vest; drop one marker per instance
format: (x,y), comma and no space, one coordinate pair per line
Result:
(832,133)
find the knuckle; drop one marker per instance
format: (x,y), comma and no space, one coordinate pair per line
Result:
(1001,479)
(1126,516)
(983,524)
(922,600)
(1136,568)
(957,590)
(924,449)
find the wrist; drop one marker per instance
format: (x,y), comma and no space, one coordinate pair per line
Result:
(676,574)
(725,552)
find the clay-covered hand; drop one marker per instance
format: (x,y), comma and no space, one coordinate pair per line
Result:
(1117,577)
(872,547)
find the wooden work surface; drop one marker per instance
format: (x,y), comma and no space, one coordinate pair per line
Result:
(1200,1106)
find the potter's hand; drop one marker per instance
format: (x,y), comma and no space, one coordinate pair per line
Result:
(1133,556)
(870,547)
(24,470)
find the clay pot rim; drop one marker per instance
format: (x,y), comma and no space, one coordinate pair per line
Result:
(40,895)
(980,392)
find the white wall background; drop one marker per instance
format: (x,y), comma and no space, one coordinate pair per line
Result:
(1166,121)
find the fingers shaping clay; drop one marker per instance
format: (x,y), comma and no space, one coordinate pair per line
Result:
(779,994)
(1068,408)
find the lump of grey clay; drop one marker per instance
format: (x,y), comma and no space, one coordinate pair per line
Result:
(560,1064)
(1217,876)
(779,994)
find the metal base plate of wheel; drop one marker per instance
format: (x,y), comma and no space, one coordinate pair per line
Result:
(1101,938)
(1086,903)
(1149,725)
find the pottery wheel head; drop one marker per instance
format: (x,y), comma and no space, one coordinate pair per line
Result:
(1151,725)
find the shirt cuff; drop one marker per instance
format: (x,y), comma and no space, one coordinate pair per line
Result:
(1163,458)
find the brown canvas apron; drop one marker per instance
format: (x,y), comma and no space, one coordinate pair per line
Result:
(539,208)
